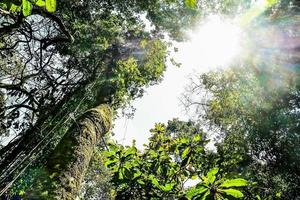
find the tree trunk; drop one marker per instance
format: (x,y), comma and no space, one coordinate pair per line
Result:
(68,163)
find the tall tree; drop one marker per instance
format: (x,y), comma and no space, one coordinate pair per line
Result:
(257,116)
(55,66)
(67,164)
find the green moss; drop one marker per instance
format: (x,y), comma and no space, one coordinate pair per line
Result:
(68,163)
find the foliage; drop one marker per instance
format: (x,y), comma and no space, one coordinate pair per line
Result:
(212,188)
(256,114)
(55,66)
(14,6)
(161,170)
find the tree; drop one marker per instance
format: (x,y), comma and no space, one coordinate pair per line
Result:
(257,120)
(70,159)
(253,109)
(55,66)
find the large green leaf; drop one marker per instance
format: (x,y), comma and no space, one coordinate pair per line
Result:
(51,5)
(26,8)
(233,192)
(238,182)
(211,175)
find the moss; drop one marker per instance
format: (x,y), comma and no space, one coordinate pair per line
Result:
(68,163)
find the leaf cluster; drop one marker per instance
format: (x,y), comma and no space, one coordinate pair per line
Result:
(25,6)
(162,169)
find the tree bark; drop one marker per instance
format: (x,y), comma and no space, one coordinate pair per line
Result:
(69,161)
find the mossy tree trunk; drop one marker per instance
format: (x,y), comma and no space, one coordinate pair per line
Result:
(66,167)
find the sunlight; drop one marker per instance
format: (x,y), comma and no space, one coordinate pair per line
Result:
(215,43)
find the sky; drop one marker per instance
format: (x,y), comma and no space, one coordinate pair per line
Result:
(159,104)
(162,102)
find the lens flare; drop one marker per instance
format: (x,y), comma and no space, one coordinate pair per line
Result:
(215,42)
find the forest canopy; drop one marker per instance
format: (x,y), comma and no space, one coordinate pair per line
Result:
(68,69)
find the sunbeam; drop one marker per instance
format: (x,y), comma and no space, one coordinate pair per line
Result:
(215,43)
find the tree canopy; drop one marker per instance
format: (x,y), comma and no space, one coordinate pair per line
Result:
(68,68)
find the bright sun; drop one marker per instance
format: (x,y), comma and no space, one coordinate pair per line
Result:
(215,43)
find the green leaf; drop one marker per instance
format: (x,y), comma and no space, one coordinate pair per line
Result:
(21,192)
(233,192)
(51,5)
(130,151)
(278,194)
(211,175)
(110,163)
(113,147)
(197,138)
(14,8)
(137,174)
(120,177)
(194,177)
(168,187)
(26,8)
(190,3)
(239,182)
(40,3)
(207,193)
(185,152)
(141,182)
(108,153)
(154,181)
(193,192)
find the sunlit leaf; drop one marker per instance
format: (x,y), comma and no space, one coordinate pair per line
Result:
(120,175)
(110,163)
(185,152)
(141,182)
(154,181)
(194,177)
(26,8)
(168,187)
(40,3)
(191,3)
(14,8)
(137,174)
(233,192)
(51,5)
(193,192)
(239,182)
(211,175)
(130,151)
(278,194)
